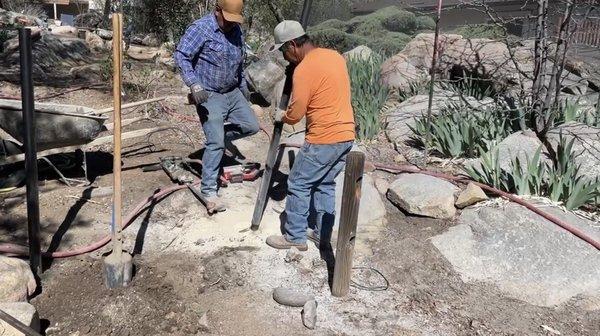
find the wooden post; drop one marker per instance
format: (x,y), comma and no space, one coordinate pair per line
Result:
(342,273)
(117,222)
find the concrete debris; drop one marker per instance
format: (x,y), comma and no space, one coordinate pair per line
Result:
(17,282)
(424,195)
(471,195)
(290,297)
(293,254)
(309,314)
(24,312)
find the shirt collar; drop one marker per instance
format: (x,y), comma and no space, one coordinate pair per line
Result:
(214,23)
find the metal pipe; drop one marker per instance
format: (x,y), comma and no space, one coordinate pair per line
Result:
(432,74)
(30,141)
(305,13)
(13,322)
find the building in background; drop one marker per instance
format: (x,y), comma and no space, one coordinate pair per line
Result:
(66,10)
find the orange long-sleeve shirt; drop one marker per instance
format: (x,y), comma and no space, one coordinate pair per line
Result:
(321,92)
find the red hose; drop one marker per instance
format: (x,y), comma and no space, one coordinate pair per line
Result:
(17,250)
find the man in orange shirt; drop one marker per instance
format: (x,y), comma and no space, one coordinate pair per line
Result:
(321,93)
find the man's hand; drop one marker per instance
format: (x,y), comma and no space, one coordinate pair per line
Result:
(278,115)
(199,94)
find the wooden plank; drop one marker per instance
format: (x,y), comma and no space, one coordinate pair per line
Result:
(131,105)
(355,164)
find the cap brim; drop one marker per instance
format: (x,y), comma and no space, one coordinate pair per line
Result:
(276,47)
(233,17)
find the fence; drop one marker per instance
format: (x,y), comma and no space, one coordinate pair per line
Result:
(588,32)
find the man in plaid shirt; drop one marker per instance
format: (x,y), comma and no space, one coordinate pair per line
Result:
(210,57)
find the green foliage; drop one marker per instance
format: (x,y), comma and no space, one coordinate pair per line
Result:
(336,39)
(335,24)
(390,44)
(467,86)
(572,111)
(489,31)
(425,23)
(414,88)
(368,94)
(460,131)
(560,180)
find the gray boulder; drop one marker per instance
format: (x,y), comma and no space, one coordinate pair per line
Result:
(371,212)
(264,75)
(521,145)
(24,313)
(424,195)
(361,52)
(586,146)
(523,254)
(398,73)
(16,280)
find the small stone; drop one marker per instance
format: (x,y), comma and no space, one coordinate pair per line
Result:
(471,195)
(382,185)
(290,297)
(309,314)
(16,280)
(399,158)
(240,282)
(200,242)
(293,254)
(424,195)
(22,311)
(203,322)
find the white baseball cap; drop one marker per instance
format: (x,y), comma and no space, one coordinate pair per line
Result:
(286,31)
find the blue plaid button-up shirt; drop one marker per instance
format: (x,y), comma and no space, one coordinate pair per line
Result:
(209,57)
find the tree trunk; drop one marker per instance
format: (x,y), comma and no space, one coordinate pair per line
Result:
(107,6)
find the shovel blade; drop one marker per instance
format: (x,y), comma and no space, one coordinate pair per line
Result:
(118,269)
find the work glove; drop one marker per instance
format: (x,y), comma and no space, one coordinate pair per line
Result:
(199,95)
(278,115)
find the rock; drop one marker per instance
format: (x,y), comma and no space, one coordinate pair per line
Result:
(398,73)
(203,322)
(471,195)
(293,254)
(151,40)
(424,195)
(91,72)
(91,18)
(95,42)
(400,118)
(586,146)
(24,312)
(16,280)
(382,185)
(167,62)
(9,18)
(371,212)
(524,255)
(66,31)
(264,75)
(105,34)
(309,314)
(290,297)
(142,53)
(361,52)
(520,144)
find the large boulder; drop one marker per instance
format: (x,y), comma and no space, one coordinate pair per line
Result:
(23,312)
(398,73)
(522,145)
(523,254)
(586,146)
(105,34)
(264,75)
(9,18)
(371,212)
(424,195)
(399,119)
(16,280)
(95,42)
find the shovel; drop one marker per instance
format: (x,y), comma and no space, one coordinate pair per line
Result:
(118,265)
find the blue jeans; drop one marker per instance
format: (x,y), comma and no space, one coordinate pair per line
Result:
(312,182)
(219,108)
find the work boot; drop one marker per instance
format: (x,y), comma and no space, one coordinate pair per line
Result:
(216,206)
(281,243)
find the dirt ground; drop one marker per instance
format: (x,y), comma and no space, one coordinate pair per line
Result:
(197,274)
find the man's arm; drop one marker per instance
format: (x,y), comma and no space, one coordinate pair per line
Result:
(189,46)
(301,93)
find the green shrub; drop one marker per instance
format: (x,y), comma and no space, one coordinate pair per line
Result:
(460,131)
(489,31)
(372,27)
(336,39)
(369,94)
(560,180)
(399,21)
(333,23)
(425,23)
(390,44)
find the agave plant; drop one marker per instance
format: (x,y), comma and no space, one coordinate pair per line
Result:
(369,94)
(489,171)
